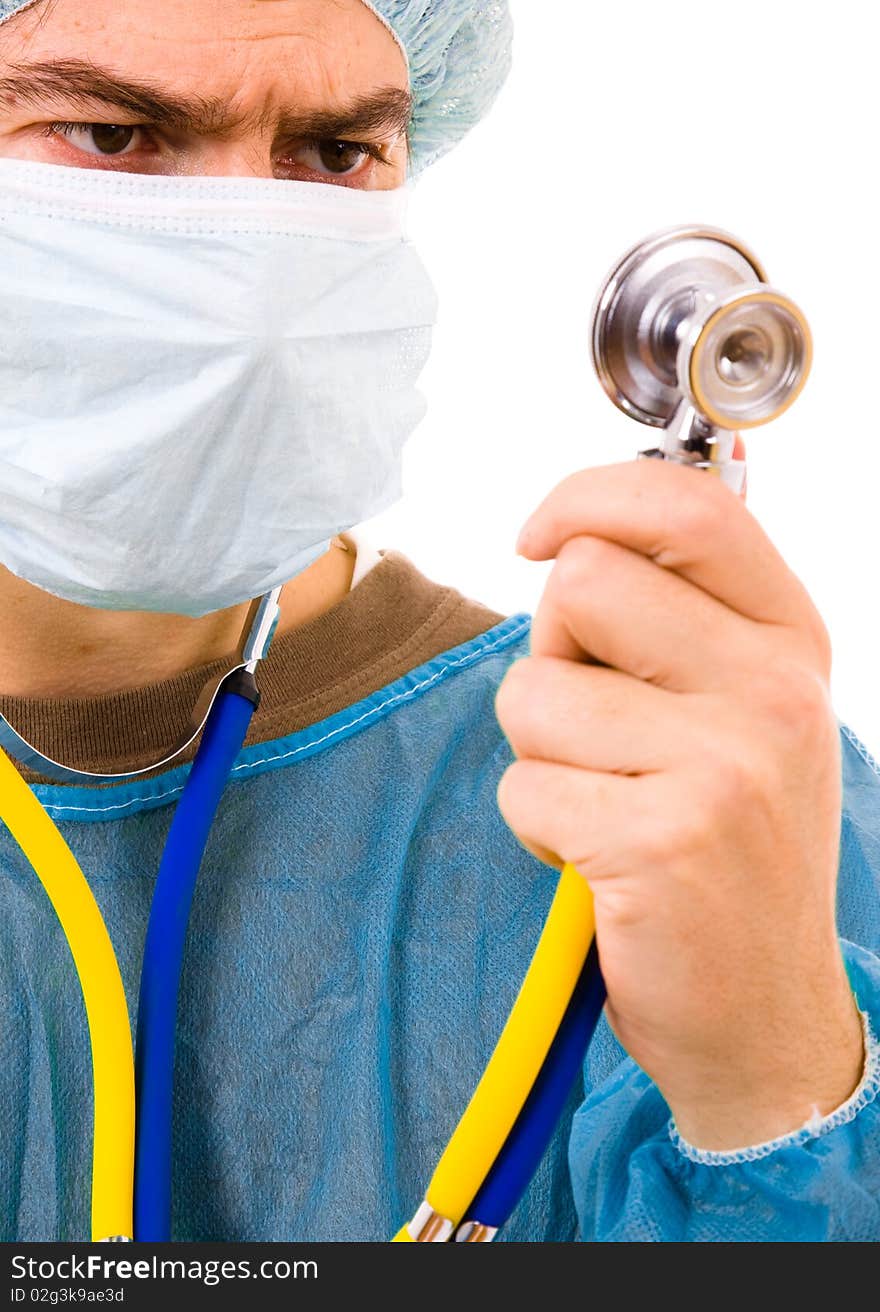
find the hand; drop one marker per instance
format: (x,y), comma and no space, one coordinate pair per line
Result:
(676,742)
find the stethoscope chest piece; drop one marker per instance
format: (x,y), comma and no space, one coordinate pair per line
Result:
(689,337)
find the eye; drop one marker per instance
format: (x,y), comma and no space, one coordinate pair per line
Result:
(335,157)
(100,138)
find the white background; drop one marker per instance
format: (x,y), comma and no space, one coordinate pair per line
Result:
(760,118)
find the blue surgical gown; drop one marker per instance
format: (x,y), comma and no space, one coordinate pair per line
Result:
(362,923)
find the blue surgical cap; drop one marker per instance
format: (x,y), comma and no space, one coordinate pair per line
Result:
(458,53)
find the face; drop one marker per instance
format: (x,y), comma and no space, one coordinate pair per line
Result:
(311,90)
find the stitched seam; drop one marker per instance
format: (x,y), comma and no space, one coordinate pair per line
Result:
(443,613)
(865,1093)
(391,701)
(118,806)
(862,750)
(434,618)
(199,227)
(505,640)
(156,186)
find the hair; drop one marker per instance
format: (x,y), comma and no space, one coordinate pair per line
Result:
(38,9)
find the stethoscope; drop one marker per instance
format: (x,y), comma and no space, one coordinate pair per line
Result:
(688,338)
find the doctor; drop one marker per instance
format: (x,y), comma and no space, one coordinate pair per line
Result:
(365,915)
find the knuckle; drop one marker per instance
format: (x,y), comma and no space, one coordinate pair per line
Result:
(734,785)
(821,639)
(580,561)
(523,691)
(736,767)
(709,809)
(797,701)
(668,841)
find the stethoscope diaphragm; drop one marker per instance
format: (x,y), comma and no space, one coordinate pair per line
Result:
(687,317)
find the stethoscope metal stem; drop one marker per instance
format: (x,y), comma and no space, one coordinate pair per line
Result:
(689,439)
(429,1227)
(259,626)
(472,1232)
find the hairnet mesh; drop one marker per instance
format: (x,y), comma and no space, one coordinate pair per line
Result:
(459,56)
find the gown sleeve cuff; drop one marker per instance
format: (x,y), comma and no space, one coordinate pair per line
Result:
(866,1092)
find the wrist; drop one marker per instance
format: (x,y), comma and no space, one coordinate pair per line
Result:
(867,1092)
(809,1071)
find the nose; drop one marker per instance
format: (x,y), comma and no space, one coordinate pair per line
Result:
(251,158)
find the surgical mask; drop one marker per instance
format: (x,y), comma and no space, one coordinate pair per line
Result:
(202,380)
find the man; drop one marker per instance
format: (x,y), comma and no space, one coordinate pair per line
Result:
(364,916)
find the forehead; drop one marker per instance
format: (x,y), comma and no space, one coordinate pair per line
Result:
(245,51)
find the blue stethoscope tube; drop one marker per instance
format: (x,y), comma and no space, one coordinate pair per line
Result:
(530,1137)
(164,948)
(222,740)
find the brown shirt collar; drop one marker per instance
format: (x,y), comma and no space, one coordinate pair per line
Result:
(392,622)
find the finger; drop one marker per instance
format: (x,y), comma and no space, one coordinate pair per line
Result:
(581,816)
(624,611)
(739,453)
(687,522)
(595,718)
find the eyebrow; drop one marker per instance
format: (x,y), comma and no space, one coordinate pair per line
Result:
(385,112)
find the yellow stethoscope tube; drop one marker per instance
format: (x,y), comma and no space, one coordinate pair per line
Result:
(487,1120)
(519,1055)
(103,995)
